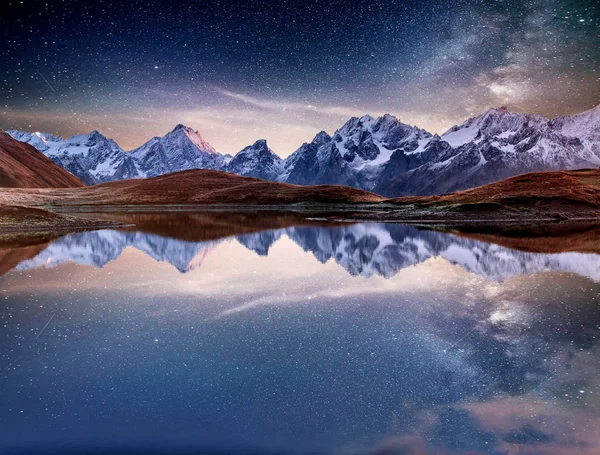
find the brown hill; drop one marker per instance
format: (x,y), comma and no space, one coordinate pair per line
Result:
(529,197)
(543,193)
(11,256)
(195,187)
(23,166)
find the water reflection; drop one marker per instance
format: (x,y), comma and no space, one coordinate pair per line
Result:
(361,249)
(368,338)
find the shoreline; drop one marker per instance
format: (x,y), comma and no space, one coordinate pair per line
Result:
(64,229)
(65,219)
(349,213)
(20,220)
(536,198)
(30,226)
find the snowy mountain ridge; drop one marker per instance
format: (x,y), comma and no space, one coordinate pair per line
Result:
(377,154)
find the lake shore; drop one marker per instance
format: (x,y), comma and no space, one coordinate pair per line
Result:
(20,219)
(17,220)
(27,231)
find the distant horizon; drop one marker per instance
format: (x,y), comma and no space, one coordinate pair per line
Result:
(294,146)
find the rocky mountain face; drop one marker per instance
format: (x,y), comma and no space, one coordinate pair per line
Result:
(96,159)
(394,159)
(367,250)
(256,160)
(496,145)
(356,155)
(381,154)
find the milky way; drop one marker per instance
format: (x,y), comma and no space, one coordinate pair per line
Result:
(254,69)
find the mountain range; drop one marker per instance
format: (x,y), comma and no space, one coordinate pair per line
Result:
(361,249)
(382,154)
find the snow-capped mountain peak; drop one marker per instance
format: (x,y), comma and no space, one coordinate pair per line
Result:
(180,149)
(498,144)
(585,125)
(356,154)
(257,160)
(93,158)
(194,137)
(495,122)
(41,141)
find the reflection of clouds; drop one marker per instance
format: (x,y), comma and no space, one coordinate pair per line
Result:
(508,425)
(533,426)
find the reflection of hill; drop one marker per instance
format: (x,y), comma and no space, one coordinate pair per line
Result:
(551,238)
(361,249)
(10,258)
(205,225)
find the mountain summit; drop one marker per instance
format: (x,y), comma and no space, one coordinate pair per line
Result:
(355,155)
(499,144)
(181,149)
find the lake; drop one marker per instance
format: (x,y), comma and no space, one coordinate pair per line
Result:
(371,338)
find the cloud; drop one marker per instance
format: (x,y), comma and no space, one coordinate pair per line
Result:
(285,105)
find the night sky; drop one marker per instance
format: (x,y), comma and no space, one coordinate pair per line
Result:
(241,71)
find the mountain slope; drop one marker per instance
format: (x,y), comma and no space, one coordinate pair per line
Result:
(356,155)
(394,159)
(536,196)
(543,191)
(22,166)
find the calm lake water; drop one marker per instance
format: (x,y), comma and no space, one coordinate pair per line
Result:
(343,339)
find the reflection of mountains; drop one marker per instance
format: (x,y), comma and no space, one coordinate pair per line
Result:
(100,247)
(361,249)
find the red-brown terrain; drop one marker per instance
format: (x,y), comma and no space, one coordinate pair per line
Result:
(547,238)
(23,166)
(195,187)
(557,191)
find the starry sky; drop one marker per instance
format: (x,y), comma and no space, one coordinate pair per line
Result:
(242,71)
